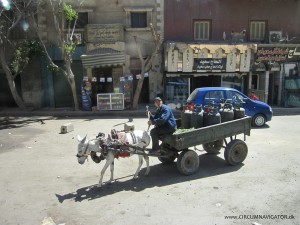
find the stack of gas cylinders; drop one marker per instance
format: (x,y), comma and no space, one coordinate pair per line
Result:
(211,114)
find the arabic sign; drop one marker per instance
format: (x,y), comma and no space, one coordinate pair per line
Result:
(104,33)
(277,54)
(210,64)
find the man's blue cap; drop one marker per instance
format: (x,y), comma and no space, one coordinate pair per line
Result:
(157,99)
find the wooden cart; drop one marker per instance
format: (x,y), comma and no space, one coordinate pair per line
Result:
(213,138)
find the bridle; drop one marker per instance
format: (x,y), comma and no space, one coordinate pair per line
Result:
(85,151)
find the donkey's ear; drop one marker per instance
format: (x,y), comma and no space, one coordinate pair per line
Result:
(83,140)
(79,138)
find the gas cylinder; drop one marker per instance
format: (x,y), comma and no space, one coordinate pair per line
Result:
(211,115)
(197,117)
(239,111)
(226,112)
(186,116)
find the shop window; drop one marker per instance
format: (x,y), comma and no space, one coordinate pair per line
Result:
(177,89)
(138,18)
(201,30)
(257,30)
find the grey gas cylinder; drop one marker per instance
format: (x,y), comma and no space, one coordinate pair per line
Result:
(197,117)
(226,112)
(211,115)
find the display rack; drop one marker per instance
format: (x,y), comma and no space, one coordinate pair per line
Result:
(110,101)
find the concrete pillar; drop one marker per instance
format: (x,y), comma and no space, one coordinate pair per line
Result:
(281,73)
(267,86)
(250,81)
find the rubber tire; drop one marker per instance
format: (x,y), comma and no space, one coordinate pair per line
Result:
(213,147)
(258,120)
(235,152)
(171,158)
(167,160)
(188,162)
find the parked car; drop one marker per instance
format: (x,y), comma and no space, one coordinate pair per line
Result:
(259,111)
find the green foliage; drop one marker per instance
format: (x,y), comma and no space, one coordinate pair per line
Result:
(183,130)
(25,51)
(69,13)
(69,48)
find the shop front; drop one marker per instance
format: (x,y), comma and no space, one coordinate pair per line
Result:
(190,66)
(275,74)
(104,87)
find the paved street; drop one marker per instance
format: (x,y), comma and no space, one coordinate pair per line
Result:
(41,178)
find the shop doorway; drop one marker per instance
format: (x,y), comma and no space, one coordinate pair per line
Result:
(273,90)
(104,80)
(205,81)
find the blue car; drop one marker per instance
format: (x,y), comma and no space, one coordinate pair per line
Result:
(259,111)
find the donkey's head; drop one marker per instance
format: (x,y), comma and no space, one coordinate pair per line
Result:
(83,149)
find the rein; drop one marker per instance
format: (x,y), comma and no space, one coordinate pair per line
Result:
(84,153)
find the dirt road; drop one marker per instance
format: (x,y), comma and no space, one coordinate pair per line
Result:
(41,178)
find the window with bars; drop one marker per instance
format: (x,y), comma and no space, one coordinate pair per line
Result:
(201,30)
(257,30)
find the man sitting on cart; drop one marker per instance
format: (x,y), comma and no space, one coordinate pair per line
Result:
(164,123)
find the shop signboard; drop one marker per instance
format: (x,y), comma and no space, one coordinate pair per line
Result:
(245,61)
(209,64)
(173,61)
(187,60)
(277,54)
(104,33)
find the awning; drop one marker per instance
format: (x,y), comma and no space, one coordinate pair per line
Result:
(103,57)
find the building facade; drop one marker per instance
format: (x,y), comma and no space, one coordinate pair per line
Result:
(108,33)
(247,45)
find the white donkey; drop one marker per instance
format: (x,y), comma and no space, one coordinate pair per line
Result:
(107,147)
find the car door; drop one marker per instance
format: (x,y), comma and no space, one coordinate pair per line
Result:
(238,97)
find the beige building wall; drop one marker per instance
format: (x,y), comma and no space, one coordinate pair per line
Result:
(118,12)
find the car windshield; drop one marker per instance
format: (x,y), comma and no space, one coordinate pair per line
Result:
(193,95)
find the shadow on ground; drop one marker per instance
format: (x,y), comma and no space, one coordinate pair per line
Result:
(16,122)
(160,175)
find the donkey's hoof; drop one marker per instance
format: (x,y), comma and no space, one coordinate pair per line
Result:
(99,185)
(110,182)
(136,177)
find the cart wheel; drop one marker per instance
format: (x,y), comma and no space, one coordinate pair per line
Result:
(188,162)
(171,157)
(167,160)
(213,147)
(236,152)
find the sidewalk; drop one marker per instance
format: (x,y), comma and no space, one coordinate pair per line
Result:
(140,112)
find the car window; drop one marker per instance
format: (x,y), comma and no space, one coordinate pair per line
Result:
(214,96)
(234,96)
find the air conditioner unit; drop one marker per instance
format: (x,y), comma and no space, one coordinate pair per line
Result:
(77,37)
(275,36)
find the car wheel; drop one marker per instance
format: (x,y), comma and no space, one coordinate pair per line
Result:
(258,120)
